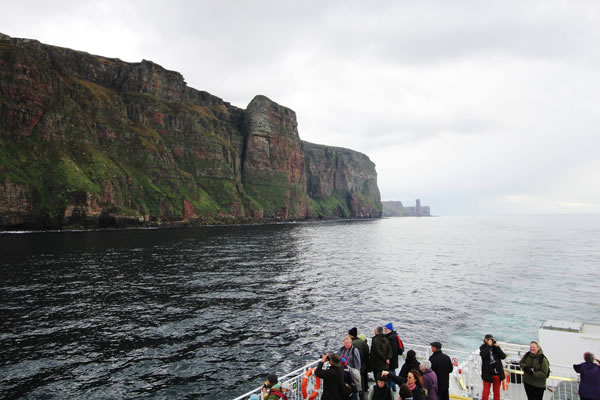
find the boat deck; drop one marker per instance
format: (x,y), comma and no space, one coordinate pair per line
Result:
(465,380)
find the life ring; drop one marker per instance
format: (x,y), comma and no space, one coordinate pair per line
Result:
(305,379)
(505,381)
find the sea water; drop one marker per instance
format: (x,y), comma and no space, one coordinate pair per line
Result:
(209,312)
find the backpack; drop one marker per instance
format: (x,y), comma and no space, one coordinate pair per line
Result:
(400,346)
(356,380)
(544,356)
(278,394)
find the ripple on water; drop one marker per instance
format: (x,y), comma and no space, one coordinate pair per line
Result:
(208,312)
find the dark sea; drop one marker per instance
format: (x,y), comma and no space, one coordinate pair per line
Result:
(207,313)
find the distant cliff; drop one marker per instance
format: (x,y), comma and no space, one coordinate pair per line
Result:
(341,182)
(396,209)
(89,141)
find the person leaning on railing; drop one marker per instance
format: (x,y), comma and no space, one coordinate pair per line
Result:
(589,372)
(536,369)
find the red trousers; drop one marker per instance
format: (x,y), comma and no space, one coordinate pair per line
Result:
(486,388)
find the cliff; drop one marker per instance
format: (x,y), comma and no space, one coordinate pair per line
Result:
(89,141)
(341,182)
(396,209)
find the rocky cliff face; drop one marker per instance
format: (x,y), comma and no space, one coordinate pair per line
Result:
(91,141)
(273,166)
(341,182)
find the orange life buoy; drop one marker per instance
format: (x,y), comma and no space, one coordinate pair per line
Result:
(505,381)
(315,392)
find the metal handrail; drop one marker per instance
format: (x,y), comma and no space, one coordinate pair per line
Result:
(293,374)
(558,378)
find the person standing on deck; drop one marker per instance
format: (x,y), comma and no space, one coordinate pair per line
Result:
(381,352)
(392,336)
(430,382)
(411,362)
(492,372)
(363,349)
(536,369)
(333,377)
(442,366)
(589,387)
(351,353)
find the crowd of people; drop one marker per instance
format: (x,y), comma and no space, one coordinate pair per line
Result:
(345,373)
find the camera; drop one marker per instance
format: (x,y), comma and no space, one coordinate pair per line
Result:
(493,341)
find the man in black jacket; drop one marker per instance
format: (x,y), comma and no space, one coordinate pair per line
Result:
(392,336)
(492,372)
(333,377)
(442,366)
(381,352)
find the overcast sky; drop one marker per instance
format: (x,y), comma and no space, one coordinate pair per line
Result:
(475,107)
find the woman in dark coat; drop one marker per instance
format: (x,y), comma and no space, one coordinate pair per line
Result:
(410,363)
(414,381)
(589,387)
(492,371)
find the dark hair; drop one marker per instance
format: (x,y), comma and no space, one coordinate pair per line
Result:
(418,377)
(404,391)
(411,356)
(588,357)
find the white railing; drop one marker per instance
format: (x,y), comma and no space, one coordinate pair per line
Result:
(465,380)
(292,382)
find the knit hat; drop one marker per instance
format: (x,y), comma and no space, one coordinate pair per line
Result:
(389,326)
(272,378)
(353,332)
(437,345)
(362,337)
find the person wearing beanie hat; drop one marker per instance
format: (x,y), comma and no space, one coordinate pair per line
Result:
(333,377)
(361,344)
(442,366)
(392,336)
(273,389)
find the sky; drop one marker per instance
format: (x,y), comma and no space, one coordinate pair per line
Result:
(474,107)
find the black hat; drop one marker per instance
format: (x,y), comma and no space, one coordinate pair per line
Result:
(437,345)
(489,336)
(353,332)
(272,378)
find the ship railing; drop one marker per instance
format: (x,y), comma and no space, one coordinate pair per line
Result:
(292,382)
(465,380)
